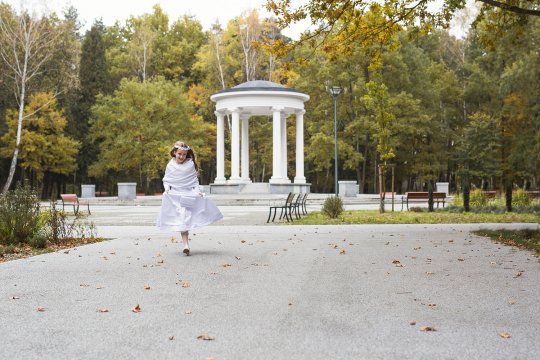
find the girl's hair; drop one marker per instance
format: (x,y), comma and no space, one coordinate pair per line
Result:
(180,145)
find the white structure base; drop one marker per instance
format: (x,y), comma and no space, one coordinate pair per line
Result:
(127,191)
(259,188)
(88,191)
(347,188)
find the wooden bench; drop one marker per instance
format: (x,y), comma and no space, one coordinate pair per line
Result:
(286,209)
(422,196)
(490,194)
(533,194)
(73,199)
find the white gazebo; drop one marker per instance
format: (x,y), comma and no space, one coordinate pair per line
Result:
(249,99)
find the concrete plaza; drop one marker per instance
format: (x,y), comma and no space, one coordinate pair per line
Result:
(257,291)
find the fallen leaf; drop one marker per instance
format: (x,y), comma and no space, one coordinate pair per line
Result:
(102,310)
(518,274)
(205,337)
(146,287)
(242,241)
(171,337)
(15,298)
(427,328)
(505,335)
(185,284)
(226,265)
(412,322)
(160,261)
(99,287)
(335,246)
(136,308)
(66,252)
(105,258)
(461,259)
(187,312)
(237,257)
(84,285)
(40,309)
(342,252)
(397,263)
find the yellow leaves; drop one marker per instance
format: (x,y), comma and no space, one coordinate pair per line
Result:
(185,284)
(505,335)
(146,287)
(427,328)
(226,265)
(102,310)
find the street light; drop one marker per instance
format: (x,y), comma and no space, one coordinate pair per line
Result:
(335,91)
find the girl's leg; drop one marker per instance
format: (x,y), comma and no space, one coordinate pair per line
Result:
(185,240)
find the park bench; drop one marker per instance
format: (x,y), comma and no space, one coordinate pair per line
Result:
(490,194)
(533,193)
(299,205)
(421,196)
(73,199)
(286,209)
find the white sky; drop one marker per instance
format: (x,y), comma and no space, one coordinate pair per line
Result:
(206,11)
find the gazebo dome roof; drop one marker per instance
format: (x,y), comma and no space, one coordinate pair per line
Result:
(258,85)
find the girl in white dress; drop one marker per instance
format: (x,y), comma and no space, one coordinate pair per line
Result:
(184,206)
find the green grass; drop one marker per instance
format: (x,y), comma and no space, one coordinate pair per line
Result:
(410,217)
(525,239)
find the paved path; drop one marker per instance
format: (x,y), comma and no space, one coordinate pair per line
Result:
(273,292)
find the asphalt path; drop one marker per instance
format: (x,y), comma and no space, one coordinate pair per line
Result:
(257,291)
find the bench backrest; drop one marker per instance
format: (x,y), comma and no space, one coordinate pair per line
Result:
(70,198)
(425,195)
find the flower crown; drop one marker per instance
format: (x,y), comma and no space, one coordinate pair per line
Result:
(183,147)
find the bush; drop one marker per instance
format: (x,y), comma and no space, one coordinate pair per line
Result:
(333,207)
(521,198)
(39,240)
(478,198)
(19,215)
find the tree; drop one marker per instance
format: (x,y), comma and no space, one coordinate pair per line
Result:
(28,41)
(135,127)
(44,146)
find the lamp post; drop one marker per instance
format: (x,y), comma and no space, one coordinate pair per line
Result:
(335,91)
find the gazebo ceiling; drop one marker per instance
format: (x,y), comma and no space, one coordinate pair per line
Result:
(259,97)
(258,85)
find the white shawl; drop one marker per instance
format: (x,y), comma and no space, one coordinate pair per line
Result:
(182,176)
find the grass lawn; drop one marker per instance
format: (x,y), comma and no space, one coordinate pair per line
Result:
(10,252)
(410,217)
(525,239)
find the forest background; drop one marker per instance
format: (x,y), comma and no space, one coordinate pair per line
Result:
(105,106)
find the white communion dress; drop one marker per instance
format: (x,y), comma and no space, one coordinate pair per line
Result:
(184,206)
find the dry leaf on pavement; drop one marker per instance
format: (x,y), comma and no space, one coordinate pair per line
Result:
(185,284)
(40,309)
(102,310)
(136,308)
(205,337)
(505,335)
(427,328)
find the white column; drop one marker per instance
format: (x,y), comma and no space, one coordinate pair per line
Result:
(220,150)
(284,148)
(235,147)
(300,178)
(245,150)
(276,147)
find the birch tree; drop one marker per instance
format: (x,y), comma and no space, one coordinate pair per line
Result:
(26,42)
